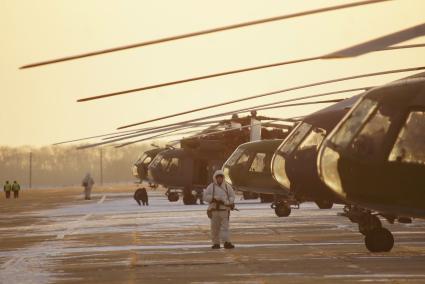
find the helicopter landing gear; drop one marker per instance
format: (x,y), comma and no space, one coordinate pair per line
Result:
(281,208)
(324,204)
(377,238)
(249,195)
(172,195)
(188,197)
(266,198)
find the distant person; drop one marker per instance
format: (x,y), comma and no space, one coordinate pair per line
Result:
(7,187)
(141,195)
(87,183)
(221,198)
(16,188)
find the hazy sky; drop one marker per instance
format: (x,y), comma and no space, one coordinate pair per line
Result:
(38,106)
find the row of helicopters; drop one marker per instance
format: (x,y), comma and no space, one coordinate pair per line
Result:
(365,151)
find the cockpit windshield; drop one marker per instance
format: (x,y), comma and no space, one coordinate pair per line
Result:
(156,161)
(294,139)
(313,139)
(410,144)
(146,160)
(353,123)
(368,142)
(234,157)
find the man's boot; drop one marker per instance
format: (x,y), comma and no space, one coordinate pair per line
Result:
(216,246)
(228,245)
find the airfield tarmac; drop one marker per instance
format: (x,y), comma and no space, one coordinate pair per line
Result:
(53,236)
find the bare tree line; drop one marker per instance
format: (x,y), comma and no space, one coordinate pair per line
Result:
(66,166)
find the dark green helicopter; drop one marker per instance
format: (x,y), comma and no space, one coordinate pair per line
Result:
(140,167)
(293,165)
(248,170)
(188,170)
(375,159)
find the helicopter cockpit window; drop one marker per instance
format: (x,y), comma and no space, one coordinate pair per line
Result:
(156,161)
(147,160)
(243,159)
(410,144)
(353,123)
(164,163)
(141,158)
(368,142)
(259,163)
(295,138)
(313,139)
(173,165)
(234,157)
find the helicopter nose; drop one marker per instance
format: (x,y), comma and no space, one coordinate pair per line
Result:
(328,169)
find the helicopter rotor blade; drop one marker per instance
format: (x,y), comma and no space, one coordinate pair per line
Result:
(176,128)
(163,135)
(250,108)
(265,118)
(305,86)
(302,104)
(264,105)
(101,135)
(203,32)
(117,134)
(382,43)
(220,74)
(163,128)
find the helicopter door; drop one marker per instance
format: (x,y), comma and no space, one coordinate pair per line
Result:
(260,171)
(200,172)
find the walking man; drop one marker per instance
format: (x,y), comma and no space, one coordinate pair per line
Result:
(221,198)
(87,183)
(7,187)
(16,188)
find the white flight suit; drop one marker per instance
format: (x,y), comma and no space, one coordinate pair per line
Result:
(220,215)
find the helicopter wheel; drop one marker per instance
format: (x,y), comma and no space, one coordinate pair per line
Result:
(324,204)
(173,197)
(282,210)
(379,240)
(369,224)
(189,199)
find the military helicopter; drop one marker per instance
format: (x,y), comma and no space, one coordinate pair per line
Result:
(374,159)
(248,170)
(188,169)
(140,167)
(294,162)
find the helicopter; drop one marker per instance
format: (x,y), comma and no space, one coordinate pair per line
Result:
(374,159)
(293,165)
(140,167)
(187,170)
(248,170)
(254,166)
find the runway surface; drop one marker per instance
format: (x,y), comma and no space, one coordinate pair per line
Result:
(110,239)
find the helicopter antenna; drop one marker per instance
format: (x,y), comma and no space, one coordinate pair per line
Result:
(203,32)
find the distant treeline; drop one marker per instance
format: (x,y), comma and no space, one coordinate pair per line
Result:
(66,166)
